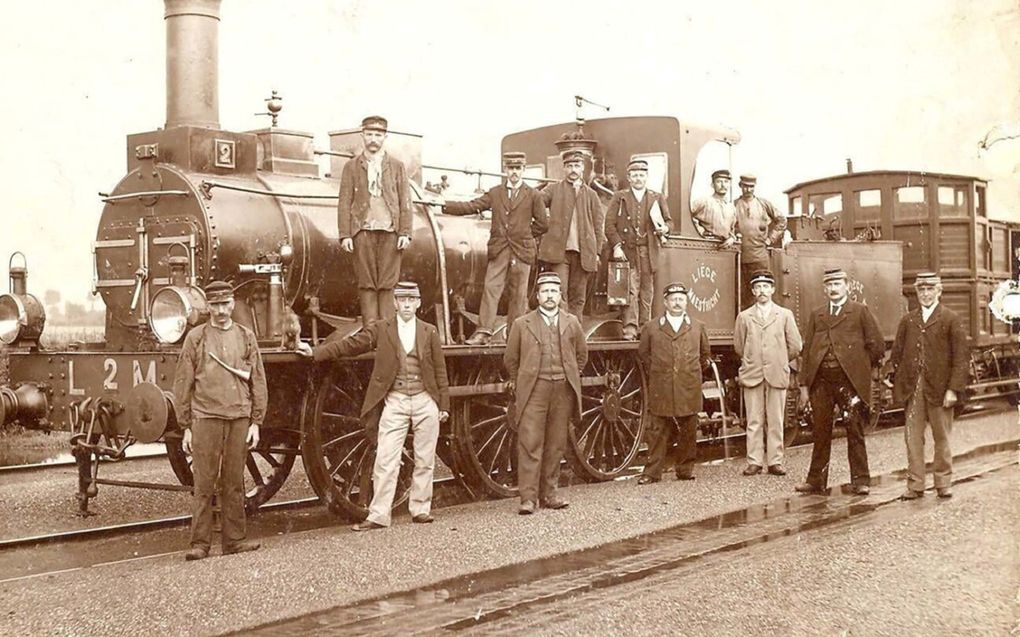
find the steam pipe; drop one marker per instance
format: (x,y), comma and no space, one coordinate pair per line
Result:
(192,63)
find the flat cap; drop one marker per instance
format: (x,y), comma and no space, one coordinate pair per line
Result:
(674,288)
(637,164)
(547,277)
(927,279)
(514,158)
(763,276)
(833,274)
(374,122)
(725,174)
(750,180)
(219,292)
(406,289)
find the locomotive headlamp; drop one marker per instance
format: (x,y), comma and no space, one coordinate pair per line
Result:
(22,316)
(175,310)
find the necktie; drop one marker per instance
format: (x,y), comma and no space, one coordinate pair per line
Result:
(835,309)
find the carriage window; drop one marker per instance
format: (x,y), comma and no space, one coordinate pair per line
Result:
(911,203)
(658,164)
(953,201)
(981,202)
(828,204)
(869,205)
(796,206)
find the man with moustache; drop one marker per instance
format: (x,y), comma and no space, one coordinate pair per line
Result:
(544,355)
(930,358)
(767,341)
(674,352)
(220,394)
(635,238)
(842,343)
(576,234)
(760,225)
(374,214)
(518,217)
(715,216)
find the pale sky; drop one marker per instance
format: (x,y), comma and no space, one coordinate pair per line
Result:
(894,85)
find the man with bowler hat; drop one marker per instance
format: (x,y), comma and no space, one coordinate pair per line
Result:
(842,343)
(760,225)
(374,214)
(715,216)
(518,219)
(545,353)
(220,395)
(674,352)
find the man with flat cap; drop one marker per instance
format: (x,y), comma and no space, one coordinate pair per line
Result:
(759,225)
(408,390)
(930,359)
(715,216)
(576,234)
(842,343)
(518,218)
(637,222)
(767,341)
(374,213)
(545,353)
(220,396)
(674,352)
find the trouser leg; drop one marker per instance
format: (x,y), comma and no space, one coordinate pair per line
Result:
(941,420)
(775,407)
(687,451)
(577,286)
(754,408)
(377,268)
(495,278)
(517,292)
(913,436)
(235,453)
(822,402)
(660,439)
(531,440)
(562,270)
(631,312)
(561,407)
(646,285)
(207,449)
(425,423)
(856,448)
(393,425)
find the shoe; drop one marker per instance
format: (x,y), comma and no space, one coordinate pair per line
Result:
(555,503)
(944,492)
(807,487)
(911,494)
(423,518)
(196,553)
(367,525)
(753,470)
(241,547)
(777,470)
(684,476)
(630,333)
(646,480)
(478,338)
(860,489)
(527,508)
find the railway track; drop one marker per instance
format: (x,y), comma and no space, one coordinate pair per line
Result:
(63,464)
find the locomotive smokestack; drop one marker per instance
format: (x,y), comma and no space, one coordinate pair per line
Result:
(192,63)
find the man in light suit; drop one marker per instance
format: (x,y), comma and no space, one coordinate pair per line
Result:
(545,353)
(766,339)
(635,238)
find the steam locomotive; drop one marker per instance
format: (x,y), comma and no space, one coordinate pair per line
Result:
(200,203)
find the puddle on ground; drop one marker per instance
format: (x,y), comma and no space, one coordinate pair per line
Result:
(62,454)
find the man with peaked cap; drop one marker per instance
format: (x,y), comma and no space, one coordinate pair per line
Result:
(842,343)
(715,216)
(545,353)
(518,218)
(220,395)
(767,341)
(408,390)
(635,237)
(576,235)
(930,359)
(759,225)
(374,214)
(675,354)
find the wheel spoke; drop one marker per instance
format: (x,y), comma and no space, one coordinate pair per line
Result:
(484,445)
(497,454)
(271,459)
(346,458)
(630,395)
(487,421)
(630,412)
(253,469)
(346,436)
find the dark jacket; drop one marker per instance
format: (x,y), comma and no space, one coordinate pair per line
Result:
(674,362)
(937,350)
(856,341)
(591,221)
(524,352)
(625,218)
(353,205)
(382,335)
(515,223)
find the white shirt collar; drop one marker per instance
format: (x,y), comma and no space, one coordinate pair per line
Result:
(838,305)
(764,310)
(550,317)
(926,312)
(638,194)
(405,330)
(676,321)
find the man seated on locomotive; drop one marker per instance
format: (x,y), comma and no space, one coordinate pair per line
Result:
(519,217)
(374,216)
(637,222)
(714,216)
(408,390)
(759,225)
(220,393)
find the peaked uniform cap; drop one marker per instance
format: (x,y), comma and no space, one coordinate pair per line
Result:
(514,158)
(547,277)
(374,122)
(833,274)
(762,276)
(674,288)
(219,292)
(407,289)
(927,279)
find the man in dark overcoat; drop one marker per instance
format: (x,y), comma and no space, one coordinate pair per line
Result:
(930,358)
(635,236)
(842,343)
(576,235)
(518,218)
(408,389)
(545,353)
(674,352)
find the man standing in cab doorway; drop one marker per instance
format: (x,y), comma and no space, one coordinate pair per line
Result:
(930,359)
(674,350)
(518,218)
(715,216)
(220,394)
(544,356)
(760,225)
(576,235)
(374,213)
(637,222)
(767,341)
(842,343)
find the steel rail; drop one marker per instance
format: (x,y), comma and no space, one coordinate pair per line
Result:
(41,466)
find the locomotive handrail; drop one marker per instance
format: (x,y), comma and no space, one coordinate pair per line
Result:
(466,171)
(207,186)
(108,198)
